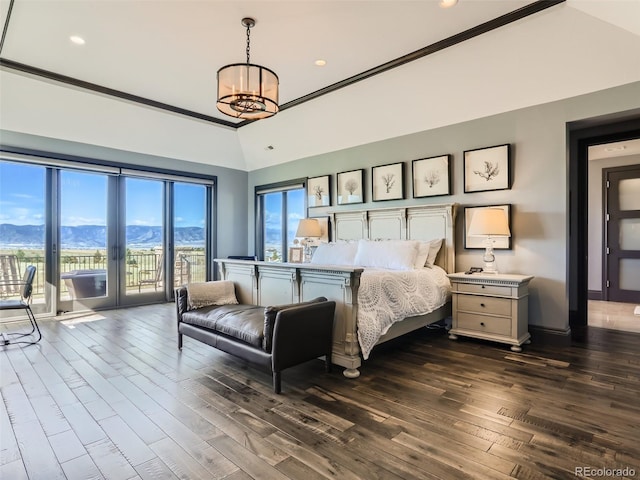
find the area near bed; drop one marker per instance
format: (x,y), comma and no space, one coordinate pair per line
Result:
(385,268)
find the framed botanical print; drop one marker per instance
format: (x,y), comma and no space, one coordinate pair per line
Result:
(499,243)
(387,182)
(431,176)
(487,169)
(350,187)
(296,254)
(319,191)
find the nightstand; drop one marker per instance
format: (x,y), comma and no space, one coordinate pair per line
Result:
(492,307)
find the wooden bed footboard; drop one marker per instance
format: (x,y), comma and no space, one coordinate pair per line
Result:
(265,283)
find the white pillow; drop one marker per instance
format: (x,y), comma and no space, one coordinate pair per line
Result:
(203,294)
(423,254)
(434,248)
(391,254)
(339,253)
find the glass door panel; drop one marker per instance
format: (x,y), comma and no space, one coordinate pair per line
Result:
(622,261)
(144,259)
(189,239)
(22,233)
(86,252)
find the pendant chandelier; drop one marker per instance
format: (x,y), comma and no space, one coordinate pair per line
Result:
(246,90)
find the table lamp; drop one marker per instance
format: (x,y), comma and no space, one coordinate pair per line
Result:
(489,223)
(308,228)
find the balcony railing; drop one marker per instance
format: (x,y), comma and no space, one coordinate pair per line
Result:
(189,266)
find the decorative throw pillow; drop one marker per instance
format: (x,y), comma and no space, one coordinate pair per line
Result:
(434,248)
(338,253)
(391,254)
(270,314)
(204,294)
(423,254)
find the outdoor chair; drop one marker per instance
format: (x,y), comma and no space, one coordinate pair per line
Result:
(10,275)
(10,338)
(152,276)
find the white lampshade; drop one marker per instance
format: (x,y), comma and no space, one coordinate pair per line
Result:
(309,227)
(489,222)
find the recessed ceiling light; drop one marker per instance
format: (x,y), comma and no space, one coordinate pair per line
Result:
(320,63)
(78,40)
(618,148)
(447,3)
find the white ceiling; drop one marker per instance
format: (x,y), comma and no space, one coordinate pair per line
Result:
(615,149)
(169,51)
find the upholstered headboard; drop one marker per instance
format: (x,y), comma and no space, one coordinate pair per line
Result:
(423,222)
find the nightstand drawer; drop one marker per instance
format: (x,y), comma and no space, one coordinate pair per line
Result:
(480,323)
(484,305)
(484,289)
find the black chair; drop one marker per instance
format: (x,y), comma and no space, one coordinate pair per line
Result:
(22,304)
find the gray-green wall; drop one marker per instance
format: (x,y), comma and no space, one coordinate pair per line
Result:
(538,196)
(231,189)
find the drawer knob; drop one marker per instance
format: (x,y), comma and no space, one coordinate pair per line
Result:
(482,304)
(482,286)
(482,324)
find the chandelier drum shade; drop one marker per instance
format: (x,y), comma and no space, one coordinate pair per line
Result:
(246,90)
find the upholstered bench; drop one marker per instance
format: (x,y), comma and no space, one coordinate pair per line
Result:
(277,337)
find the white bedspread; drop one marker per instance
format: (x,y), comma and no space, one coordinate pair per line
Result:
(388,296)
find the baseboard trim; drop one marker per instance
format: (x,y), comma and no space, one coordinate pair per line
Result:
(595,295)
(550,336)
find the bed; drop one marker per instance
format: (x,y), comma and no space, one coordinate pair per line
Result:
(355,289)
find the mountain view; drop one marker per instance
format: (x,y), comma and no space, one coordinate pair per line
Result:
(93,236)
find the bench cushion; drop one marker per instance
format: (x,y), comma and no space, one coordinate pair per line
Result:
(242,322)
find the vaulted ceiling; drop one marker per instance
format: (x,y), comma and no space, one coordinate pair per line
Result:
(163,56)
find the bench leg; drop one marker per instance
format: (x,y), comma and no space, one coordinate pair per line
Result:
(277,382)
(327,362)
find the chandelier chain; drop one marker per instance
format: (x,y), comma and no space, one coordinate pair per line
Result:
(248,42)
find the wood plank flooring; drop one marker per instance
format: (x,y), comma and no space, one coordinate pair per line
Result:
(108,395)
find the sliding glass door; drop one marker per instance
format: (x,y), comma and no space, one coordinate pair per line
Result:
(189,233)
(143,232)
(87,249)
(101,236)
(23,215)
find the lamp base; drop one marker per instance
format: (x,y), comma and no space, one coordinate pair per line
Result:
(489,267)
(489,260)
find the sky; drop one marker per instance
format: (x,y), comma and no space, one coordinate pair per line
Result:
(273,214)
(84,198)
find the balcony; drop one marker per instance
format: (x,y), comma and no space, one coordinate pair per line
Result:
(83,274)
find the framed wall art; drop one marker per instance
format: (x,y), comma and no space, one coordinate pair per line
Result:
(499,243)
(350,187)
(319,191)
(387,182)
(431,176)
(487,169)
(296,254)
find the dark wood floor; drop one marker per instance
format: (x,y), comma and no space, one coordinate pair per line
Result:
(111,397)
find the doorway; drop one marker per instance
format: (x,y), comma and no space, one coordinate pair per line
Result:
(102,236)
(581,136)
(614,235)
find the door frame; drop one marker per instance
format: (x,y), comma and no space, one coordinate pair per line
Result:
(580,135)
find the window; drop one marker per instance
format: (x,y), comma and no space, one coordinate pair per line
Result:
(279,209)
